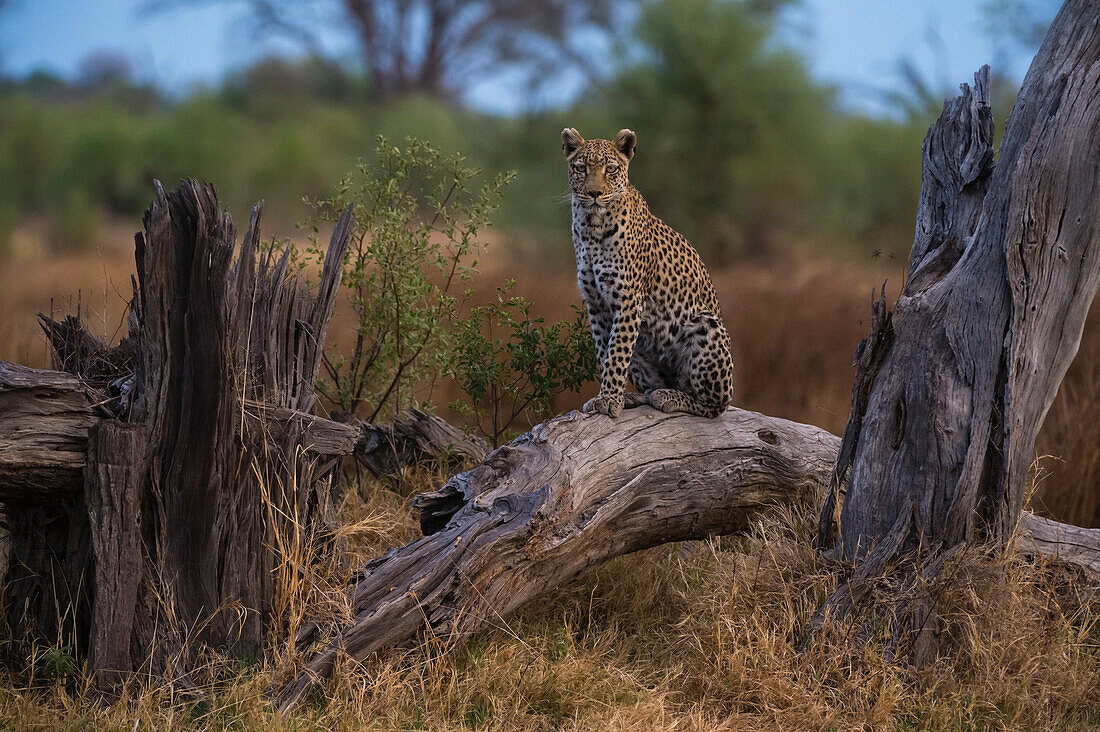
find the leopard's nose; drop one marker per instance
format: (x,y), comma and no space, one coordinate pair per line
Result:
(595,194)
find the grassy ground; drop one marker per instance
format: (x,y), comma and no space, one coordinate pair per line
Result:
(702,636)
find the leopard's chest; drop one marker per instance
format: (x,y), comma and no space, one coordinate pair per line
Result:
(600,244)
(603,259)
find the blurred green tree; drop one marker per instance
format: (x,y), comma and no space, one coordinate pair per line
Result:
(276,78)
(727,122)
(740,148)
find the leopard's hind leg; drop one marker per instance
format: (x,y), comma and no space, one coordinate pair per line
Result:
(646,375)
(704,370)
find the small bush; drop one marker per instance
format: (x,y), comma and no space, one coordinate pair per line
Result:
(56,663)
(509,363)
(415,244)
(418,215)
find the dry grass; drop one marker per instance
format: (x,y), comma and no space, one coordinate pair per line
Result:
(695,637)
(685,638)
(1070,439)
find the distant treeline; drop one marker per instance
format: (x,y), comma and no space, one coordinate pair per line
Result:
(738,146)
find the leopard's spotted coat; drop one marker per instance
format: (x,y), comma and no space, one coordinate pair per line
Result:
(652,307)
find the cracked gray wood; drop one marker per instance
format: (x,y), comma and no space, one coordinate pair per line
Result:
(44,427)
(1071,544)
(416,439)
(573,493)
(1005,264)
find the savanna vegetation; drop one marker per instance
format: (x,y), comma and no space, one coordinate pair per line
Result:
(743,150)
(459,296)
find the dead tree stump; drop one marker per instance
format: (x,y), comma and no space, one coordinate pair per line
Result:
(954,381)
(145,503)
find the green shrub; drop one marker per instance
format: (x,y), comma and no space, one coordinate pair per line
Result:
(510,364)
(415,247)
(55,663)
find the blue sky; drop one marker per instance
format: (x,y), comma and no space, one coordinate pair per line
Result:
(855,44)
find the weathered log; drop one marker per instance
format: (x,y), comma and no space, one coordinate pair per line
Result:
(558,501)
(47,416)
(1071,544)
(416,438)
(44,427)
(575,492)
(313,434)
(978,342)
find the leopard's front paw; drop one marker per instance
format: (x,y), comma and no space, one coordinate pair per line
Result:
(612,406)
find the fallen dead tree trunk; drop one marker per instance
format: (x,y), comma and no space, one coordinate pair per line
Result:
(1071,544)
(48,416)
(418,439)
(573,493)
(43,435)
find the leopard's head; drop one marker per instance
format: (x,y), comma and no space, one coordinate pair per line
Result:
(598,168)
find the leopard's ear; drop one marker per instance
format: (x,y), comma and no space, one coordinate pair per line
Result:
(570,141)
(626,142)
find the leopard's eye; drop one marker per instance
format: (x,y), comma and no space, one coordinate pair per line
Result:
(612,168)
(578,167)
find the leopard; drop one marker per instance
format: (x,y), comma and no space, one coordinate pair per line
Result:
(652,308)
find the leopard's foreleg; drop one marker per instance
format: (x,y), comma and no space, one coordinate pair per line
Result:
(613,369)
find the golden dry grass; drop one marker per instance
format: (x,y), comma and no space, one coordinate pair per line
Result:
(688,638)
(702,637)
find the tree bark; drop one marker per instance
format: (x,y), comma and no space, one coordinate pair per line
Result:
(43,435)
(1005,264)
(116,459)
